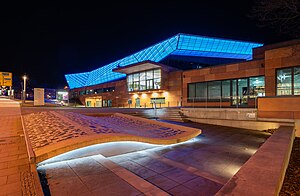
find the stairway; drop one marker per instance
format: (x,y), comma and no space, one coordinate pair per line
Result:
(173,114)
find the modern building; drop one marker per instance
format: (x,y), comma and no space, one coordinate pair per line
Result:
(197,71)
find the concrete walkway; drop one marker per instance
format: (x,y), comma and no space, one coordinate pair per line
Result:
(16,177)
(197,167)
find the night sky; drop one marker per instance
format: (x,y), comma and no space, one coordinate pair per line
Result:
(48,40)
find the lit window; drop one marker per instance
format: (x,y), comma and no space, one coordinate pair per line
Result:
(226,89)
(146,80)
(257,86)
(284,81)
(297,81)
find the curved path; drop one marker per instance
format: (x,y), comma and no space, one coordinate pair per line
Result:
(56,132)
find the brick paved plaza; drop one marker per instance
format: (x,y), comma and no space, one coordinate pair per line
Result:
(198,166)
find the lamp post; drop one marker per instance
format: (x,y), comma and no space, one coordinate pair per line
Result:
(24,90)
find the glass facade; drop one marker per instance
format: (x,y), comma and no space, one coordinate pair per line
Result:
(237,89)
(146,80)
(288,81)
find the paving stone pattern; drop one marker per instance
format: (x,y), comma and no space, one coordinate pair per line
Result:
(45,128)
(15,173)
(118,124)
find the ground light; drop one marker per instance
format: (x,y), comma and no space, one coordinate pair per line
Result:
(111,149)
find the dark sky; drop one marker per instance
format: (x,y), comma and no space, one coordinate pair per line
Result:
(48,40)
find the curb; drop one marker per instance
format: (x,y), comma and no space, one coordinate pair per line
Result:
(31,156)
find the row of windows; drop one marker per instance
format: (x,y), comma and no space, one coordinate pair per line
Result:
(146,80)
(243,87)
(288,81)
(97,91)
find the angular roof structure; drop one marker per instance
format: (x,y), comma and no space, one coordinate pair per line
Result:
(180,44)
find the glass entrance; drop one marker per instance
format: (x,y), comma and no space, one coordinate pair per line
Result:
(240,92)
(243,91)
(137,102)
(99,103)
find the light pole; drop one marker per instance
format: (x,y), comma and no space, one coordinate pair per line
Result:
(24,90)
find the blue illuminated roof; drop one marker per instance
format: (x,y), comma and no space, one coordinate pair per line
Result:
(181,44)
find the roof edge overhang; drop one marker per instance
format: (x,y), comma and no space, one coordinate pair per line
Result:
(138,67)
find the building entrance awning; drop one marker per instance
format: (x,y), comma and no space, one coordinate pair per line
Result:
(138,67)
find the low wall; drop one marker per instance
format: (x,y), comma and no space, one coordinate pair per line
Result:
(264,172)
(254,125)
(232,117)
(220,113)
(286,107)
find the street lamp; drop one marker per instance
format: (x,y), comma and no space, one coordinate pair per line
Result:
(24,90)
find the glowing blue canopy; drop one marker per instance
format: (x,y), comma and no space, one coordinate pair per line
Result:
(180,44)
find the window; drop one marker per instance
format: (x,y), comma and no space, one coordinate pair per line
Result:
(201,90)
(104,90)
(229,89)
(136,77)
(297,81)
(157,83)
(143,81)
(284,81)
(243,87)
(214,90)
(226,89)
(130,82)
(234,91)
(143,85)
(146,80)
(74,94)
(191,91)
(99,90)
(158,100)
(136,86)
(257,86)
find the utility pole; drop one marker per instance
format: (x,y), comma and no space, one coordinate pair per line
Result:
(24,90)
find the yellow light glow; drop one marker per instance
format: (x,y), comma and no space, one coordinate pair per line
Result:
(144,95)
(165,94)
(25,77)
(135,96)
(154,94)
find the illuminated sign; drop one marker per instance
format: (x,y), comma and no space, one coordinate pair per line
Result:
(62,96)
(5,79)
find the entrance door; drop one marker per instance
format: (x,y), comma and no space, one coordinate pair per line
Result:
(239,92)
(109,103)
(88,103)
(243,91)
(137,102)
(98,103)
(104,103)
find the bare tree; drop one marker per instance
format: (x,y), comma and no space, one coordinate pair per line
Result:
(281,15)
